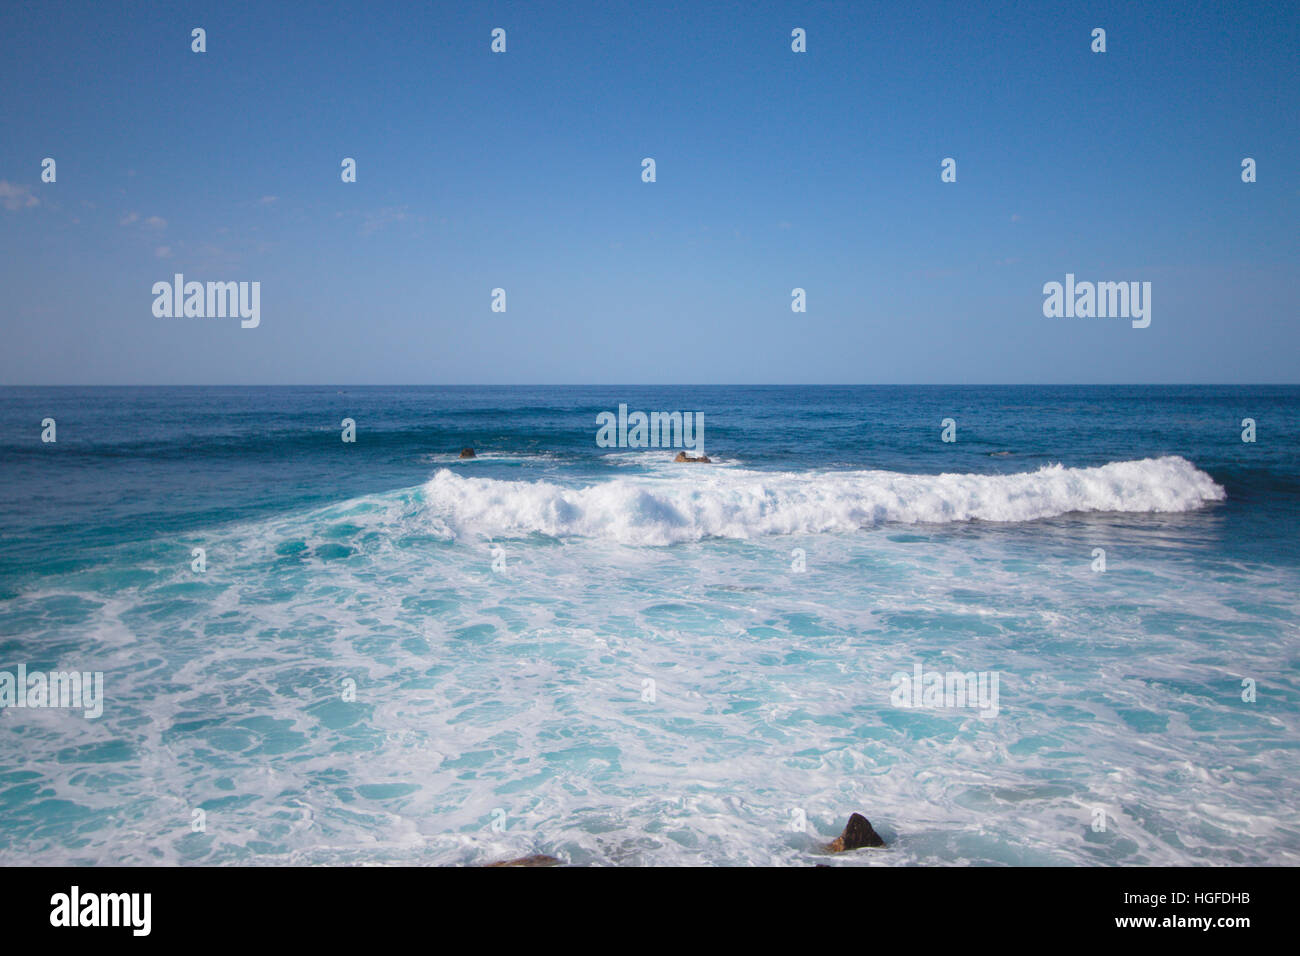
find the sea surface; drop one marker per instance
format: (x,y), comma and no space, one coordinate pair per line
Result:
(395,656)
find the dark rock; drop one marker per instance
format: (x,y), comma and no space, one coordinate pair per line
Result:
(857,834)
(467,453)
(682,456)
(537,859)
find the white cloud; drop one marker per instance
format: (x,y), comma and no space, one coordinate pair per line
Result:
(14,196)
(377,220)
(153,222)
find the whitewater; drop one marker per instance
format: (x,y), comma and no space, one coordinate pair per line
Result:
(733,503)
(395,656)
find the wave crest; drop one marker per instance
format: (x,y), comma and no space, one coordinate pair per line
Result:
(703,503)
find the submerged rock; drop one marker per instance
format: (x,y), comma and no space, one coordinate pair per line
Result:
(537,859)
(467,453)
(682,456)
(857,833)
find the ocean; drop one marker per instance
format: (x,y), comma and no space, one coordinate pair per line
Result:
(395,656)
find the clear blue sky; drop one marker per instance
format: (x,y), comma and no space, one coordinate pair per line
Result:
(775,170)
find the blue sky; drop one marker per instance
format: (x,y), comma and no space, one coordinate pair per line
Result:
(775,170)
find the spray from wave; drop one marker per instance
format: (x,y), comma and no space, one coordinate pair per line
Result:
(702,503)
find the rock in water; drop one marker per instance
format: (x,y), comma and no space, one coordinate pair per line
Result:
(857,834)
(537,859)
(682,456)
(467,453)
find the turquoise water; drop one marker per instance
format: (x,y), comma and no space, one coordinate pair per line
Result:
(519,695)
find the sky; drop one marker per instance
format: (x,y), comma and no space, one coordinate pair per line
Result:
(775,170)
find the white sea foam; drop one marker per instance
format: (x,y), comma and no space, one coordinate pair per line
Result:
(660,460)
(435,458)
(521,689)
(698,502)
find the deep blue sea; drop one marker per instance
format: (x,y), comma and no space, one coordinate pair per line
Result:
(397,656)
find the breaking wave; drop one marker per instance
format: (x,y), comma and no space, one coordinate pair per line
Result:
(700,502)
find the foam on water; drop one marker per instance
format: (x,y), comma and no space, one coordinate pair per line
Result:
(523,690)
(697,502)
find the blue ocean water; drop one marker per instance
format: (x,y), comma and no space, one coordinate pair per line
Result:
(602,655)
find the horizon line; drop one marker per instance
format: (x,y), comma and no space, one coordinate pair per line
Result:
(664,385)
